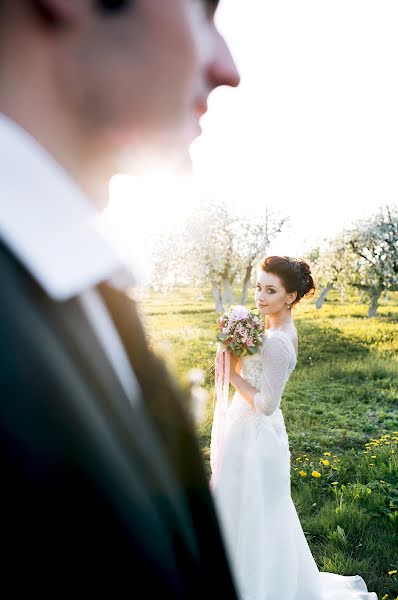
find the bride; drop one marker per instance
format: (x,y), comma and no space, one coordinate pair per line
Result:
(268,551)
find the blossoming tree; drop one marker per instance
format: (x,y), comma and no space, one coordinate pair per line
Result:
(374,242)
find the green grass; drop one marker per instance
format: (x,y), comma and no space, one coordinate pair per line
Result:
(342,395)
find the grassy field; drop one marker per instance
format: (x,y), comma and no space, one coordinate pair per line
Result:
(341,414)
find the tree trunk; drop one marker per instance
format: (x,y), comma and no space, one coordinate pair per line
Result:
(246,283)
(374,303)
(228,296)
(343,295)
(322,296)
(217,298)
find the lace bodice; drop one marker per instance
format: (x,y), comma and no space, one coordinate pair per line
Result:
(268,371)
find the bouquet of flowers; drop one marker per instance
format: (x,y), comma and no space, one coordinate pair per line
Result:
(240,331)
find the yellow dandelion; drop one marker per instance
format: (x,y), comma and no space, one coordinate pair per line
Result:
(392,572)
(371,465)
(385,597)
(387,443)
(334,455)
(373,456)
(316,474)
(302,474)
(298,459)
(324,461)
(334,483)
(327,454)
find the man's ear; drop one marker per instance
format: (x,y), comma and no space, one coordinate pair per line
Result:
(59,13)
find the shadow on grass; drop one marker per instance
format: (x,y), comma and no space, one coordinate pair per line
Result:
(181,311)
(318,343)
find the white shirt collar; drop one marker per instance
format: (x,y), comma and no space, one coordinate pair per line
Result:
(48,223)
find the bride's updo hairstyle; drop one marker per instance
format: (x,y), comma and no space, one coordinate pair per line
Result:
(294,273)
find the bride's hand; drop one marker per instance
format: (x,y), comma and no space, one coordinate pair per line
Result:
(233,364)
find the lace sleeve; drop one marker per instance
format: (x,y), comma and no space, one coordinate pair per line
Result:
(275,373)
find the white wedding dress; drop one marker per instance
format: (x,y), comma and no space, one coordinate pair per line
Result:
(268,551)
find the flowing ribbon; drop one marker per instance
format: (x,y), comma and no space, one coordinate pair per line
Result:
(221,389)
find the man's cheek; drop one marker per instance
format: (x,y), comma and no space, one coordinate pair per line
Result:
(202,35)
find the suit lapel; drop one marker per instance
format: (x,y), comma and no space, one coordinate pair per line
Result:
(131,420)
(167,409)
(164,402)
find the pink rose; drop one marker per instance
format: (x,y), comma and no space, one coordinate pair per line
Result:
(239,313)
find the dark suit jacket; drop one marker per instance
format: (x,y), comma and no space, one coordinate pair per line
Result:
(97,495)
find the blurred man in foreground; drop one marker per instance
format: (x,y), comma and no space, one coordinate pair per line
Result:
(103,487)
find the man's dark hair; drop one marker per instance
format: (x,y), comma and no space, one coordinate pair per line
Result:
(112,5)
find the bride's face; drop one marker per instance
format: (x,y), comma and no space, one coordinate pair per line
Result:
(271,297)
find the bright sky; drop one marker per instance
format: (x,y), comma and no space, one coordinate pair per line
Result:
(312,131)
